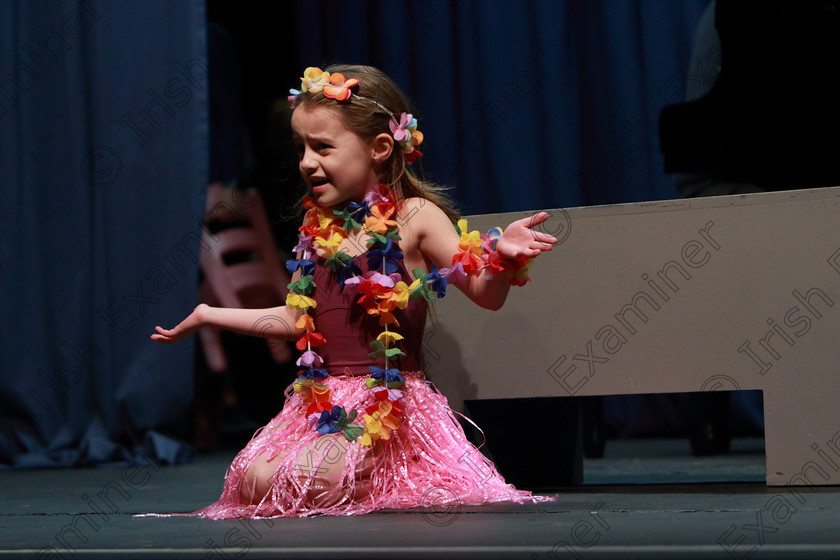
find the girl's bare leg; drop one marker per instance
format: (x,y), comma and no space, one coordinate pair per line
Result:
(321,463)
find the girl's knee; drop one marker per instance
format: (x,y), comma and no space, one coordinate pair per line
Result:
(247,488)
(324,459)
(319,471)
(258,480)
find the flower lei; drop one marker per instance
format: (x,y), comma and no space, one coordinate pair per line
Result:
(337,86)
(380,292)
(477,253)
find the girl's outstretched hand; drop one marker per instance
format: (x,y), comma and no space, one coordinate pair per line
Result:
(520,239)
(185,328)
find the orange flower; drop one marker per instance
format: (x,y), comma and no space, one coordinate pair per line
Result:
(387,318)
(470,242)
(379,221)
(317,221)
(389,413)
(339,87)
(305,323)
(379,423)
(416,138)
(312,393)
(380,300)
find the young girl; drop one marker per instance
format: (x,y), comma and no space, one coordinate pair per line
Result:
(361,429)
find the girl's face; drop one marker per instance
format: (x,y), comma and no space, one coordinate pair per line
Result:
(333,161)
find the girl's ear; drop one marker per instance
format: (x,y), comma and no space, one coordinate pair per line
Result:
(382,147)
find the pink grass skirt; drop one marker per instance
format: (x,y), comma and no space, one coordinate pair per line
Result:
(427,462)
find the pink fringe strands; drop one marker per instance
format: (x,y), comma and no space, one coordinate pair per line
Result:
(316,474)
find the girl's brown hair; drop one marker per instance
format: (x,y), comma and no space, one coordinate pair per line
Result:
(367,119)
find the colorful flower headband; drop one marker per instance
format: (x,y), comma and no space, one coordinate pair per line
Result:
(337,86)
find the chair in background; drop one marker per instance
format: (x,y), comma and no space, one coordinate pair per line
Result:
(240,269)
(241,266)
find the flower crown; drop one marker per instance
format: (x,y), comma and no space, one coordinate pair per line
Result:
(337,86)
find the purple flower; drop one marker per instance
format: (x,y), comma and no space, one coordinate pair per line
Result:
(399,129)
(457,271)
(382,280)
(374,196)
(309,359)
(350,270)
(436,281)
(358,210)
(392,394)
(327,421)
(307,266)
(390,375)
(314,373)
(384,256)
(304,245)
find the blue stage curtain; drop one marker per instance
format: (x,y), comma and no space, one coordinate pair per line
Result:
(103,158)
(524,105)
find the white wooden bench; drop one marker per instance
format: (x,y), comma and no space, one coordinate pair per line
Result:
(721,293)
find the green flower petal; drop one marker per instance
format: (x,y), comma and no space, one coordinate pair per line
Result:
(352,433)
(304,286)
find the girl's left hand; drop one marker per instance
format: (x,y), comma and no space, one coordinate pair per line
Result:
(192,323)
(521,240)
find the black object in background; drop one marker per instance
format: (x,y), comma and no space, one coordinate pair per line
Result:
(772,117)
(535,443)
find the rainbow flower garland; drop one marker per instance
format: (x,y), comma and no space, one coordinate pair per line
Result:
(380,292)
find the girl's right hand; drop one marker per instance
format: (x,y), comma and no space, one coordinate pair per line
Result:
(188,326)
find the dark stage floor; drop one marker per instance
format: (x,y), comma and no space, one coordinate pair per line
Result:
(647,499)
